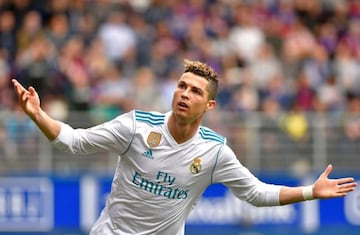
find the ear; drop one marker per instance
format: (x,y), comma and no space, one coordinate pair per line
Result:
(210,105)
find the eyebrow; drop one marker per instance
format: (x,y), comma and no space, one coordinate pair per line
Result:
(192,87)
(198,89)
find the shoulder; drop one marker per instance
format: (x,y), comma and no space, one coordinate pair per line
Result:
(208,134)
(150,117)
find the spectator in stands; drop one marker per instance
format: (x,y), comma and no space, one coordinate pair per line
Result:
(29,30)
(147,94)
(58,30)
(5,74)
(35,64)
(352,119)
(117,37)
(8,34)
(246,38)
(73,67)
(108,102)
(347,69)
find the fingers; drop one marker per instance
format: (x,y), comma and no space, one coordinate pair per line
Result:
(346,189)
(328,170)
(345,186)
(17,84)
(19,89)
(345,180)
(348,185)
(21,92)
(32,90)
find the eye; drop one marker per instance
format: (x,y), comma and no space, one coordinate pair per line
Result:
(197,91)
(181,85)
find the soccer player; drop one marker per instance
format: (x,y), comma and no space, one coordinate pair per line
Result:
(167,160)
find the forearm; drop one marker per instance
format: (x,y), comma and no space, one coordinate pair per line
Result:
(290,195)
(49,126)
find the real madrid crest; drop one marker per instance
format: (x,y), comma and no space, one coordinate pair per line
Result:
(153,139)
(195,166)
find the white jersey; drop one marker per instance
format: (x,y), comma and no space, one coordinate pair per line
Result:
(158,181)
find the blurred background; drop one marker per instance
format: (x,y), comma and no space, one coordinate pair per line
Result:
(288,103)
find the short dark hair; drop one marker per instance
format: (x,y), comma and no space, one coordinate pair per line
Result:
(205,71)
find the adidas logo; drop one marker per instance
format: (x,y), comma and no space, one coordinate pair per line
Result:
(148,153)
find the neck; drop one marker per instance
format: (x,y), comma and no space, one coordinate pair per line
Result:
(182,131)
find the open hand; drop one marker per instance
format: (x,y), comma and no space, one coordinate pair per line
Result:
(329,188)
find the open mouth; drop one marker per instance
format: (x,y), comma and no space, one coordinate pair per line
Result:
(183,105)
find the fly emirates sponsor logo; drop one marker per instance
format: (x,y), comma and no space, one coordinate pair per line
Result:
(163,185)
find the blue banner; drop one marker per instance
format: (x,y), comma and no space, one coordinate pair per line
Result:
(49,203)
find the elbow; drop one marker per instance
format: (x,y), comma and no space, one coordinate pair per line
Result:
(257,203)
(264,200)
(261,203)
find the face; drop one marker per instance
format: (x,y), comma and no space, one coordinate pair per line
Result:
(190,100)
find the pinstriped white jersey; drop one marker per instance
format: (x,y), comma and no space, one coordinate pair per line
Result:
(158,181)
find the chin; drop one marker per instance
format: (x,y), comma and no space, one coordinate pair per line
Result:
(180,114)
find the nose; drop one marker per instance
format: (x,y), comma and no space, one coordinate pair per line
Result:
(185,94)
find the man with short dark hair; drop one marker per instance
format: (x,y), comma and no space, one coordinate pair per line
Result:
(167,160)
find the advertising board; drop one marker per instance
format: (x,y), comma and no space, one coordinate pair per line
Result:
(49,203)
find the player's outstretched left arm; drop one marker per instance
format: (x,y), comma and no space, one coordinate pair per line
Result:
(322,188)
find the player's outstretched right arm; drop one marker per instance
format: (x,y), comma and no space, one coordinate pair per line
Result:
(30,102)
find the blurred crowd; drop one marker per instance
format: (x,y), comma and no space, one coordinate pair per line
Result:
(109,56)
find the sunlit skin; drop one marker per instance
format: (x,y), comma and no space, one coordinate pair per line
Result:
(190,103)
